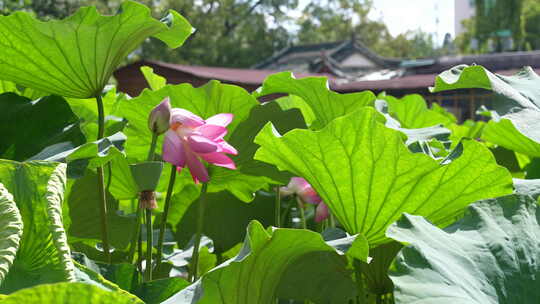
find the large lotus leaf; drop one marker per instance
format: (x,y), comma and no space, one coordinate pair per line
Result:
(64,293)
(88,155)
(76,56)
(85,216)
(224,210)
(368,177)
(87,112)
(8,86)
(325,104)
(421,136)
(412,112)
(88,272)
(489,256)
(128,279)
(256,273)
(11,227)
(27,126)
(527,187)
(505,134)
(43,255)
(469,129)
(155,81)
(516,104)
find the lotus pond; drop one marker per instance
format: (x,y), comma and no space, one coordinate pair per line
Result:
(206,195)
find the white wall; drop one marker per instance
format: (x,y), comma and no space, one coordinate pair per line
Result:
(463,9)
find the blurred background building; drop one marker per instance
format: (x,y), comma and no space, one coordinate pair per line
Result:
(379,45)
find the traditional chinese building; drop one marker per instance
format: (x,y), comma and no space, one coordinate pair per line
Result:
(350,67)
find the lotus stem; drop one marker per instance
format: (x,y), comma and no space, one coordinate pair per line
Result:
(198,235)
(101,184)
(165,215)
(148,270)
(134,243)
(148,212)
(302,213)
(359,281)
(152,149)
(332,221)
(278,208)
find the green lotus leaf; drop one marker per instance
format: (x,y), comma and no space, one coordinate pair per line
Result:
(516,104)
(489,256)
(325,104)
(366,175)
(223,210)
(63,293)
(285,263)
(154,80)
(412,112)
(87,112)
(28,127)
(76,56)
(43,255)
(85,216)
(11,227)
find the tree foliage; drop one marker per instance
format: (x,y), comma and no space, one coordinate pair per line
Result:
(502,26)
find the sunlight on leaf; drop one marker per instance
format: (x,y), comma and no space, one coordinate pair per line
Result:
(76,56)
(63,293)
(325,104)
(44,255)
(11,227)
(298,258)
(516,104)
(368,177)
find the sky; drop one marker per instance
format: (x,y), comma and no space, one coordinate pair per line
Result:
(402,15)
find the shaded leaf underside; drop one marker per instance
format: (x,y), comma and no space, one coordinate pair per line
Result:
(490,256)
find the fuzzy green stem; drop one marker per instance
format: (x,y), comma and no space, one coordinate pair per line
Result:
(302,213)
(136,236)
(165,215)
(198,235)
(360,282)
(148,272)
(152,149)
(278,208)
(101,184)
(148,212)
(332,221)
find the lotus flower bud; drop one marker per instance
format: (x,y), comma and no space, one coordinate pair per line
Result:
(158,121)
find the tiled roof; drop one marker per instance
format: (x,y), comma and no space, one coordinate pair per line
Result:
(302,57)
(410,82)
(230,75)
(492,62)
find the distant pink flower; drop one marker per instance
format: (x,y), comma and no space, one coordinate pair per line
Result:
(307,194)
(190,138)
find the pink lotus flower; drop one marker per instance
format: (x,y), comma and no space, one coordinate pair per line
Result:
(190,139)
(307,194)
